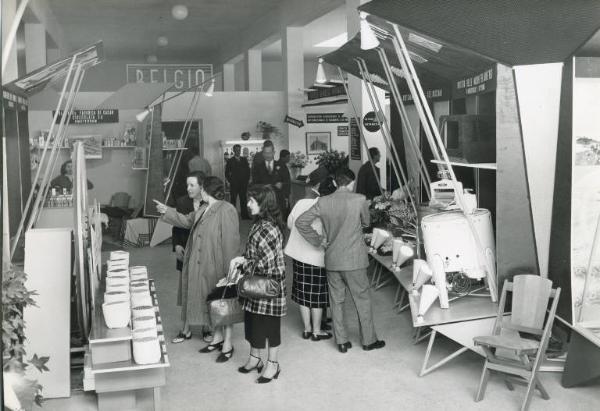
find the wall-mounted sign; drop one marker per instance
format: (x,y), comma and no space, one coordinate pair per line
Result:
(98,116)
(293,121)
(343,131)
(183,76)
(326,92)
(354,141)
(326,118)
(437,94)
(479,83)
(370,122)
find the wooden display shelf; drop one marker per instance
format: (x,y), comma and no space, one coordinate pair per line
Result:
(485,166)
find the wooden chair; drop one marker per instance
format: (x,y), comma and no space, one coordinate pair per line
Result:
(506,350)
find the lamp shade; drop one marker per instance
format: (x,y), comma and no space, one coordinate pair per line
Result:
(404,254)
(211,89)
(368,40)
(321,78)
(379,237)
(142,116)
(428,295)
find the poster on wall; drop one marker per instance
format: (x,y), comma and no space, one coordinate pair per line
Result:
(585,213)
(318,142)
(354,141)
(92,145)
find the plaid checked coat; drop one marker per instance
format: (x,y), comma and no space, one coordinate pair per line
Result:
(264,256)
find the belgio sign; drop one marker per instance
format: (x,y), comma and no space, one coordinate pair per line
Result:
(183,76)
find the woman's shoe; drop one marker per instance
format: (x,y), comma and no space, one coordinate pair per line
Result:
(225,356)
(181,337)
(321,336)
(265,380)
(258,367)
(207,336)
(306,335)
(211,347)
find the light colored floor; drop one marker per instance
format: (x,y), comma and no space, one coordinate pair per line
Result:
(315,376)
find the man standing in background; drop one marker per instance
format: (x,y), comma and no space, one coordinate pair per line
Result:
(237,173)
(268,172)
(367,183)
(284,171)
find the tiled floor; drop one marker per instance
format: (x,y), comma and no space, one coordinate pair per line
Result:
(315,376)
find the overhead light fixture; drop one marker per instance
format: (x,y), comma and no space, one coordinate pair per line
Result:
(162,41)
(336,41)
(211,89)
(151,58)
(179,12)
(321,78)
(142,116)
(368,40)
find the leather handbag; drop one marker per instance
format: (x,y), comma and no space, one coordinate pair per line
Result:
(258,286)
(224,309)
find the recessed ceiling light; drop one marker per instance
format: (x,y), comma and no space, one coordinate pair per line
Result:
(179,12)
(423,42)
(151,58)
(336,41)
(162,41)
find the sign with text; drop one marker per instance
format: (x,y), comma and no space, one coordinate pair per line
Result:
(98,116)
(371,122)
(437,94)
(354,141)
(326,118)
(326,92)
(293,121)
(479,83)
(343,131)
(183,76)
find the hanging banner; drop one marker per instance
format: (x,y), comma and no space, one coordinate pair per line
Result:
(480,83)
(326,118)
(183,76)
(293,121)
(98,116)
(354,141)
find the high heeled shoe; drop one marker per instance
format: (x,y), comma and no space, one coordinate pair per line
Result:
(225,356)
(265,380)
(211,347)
(258,367)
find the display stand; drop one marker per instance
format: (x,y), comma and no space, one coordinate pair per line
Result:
(109,366)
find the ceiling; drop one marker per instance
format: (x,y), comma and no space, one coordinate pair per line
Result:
(130,28)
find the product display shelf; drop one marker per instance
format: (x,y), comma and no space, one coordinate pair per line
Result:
(109,366)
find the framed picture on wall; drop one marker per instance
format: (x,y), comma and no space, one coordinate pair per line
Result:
(92,145)
(318,142)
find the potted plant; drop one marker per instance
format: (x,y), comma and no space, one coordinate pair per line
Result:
(266,129)
(298,162)
(15,297)
(332,160)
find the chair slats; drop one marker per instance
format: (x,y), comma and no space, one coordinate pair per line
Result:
(530,298)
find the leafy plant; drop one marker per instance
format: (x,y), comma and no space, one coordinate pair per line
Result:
(332,160)
(298,159)
(266,128)
(15,297)
(396,215)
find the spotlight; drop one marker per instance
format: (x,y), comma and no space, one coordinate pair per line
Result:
(211,89)
(179,12)
(162,41)
(368,40)
(151,58)
(142,116)
(321,78)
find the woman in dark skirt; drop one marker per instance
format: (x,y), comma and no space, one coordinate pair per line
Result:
(264,257)
(309,286)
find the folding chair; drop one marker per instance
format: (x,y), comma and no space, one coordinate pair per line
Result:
(506,350)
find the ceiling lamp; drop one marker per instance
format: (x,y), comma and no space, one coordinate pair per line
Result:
(211,89)
(142,116)
(179,12)
(368,40)
(321,78)
(151,58)
(162,41)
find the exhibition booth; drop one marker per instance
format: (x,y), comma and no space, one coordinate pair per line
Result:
(486,226)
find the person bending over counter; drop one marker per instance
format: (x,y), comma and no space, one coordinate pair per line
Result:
(65,179)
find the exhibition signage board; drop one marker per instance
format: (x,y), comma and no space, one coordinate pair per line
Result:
(370,122)
(354,141)
(326,118)
(343,131)
(294,121)
(183,76)
(483,82)
(326,92)
(437,94)
(98,116)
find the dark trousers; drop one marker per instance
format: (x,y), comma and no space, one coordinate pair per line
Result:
(241,192)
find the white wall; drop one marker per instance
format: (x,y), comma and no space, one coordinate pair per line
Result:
(225,116)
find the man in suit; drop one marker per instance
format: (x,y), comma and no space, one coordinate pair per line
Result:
(366,183)
(343,215)
(237,173)
(269,172)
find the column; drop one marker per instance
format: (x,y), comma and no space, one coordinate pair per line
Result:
(228,77)
(293,74)
(52,54)
(9,9)
(254,69)
(35,46)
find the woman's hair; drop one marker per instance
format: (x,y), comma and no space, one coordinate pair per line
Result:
(200,176)
(267,202)
(63,168)
(214,187)
(327,186)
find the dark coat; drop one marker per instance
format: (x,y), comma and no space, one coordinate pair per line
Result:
(366,182)
(237,172)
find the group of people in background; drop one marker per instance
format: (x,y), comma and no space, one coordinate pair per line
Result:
(325,244)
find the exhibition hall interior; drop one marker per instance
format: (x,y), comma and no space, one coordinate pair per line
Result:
(300,204)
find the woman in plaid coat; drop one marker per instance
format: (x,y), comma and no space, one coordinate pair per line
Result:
(264,256)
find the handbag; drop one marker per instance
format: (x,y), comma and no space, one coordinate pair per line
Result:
(224,307)
(258,286)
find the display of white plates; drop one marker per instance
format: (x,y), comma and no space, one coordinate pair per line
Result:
(119,255)
(116,314)
(117,272)
(112,296)
(138,276)
(117,280)
(144,322)
(118,287)
(142,311)
(138,269)
(146,350)
(145,332)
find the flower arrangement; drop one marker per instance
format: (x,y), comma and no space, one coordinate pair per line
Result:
(298,160)
(387,212)
(332,160)
(266,129)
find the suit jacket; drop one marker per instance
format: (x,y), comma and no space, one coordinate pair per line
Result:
(237,172)
(343,215)
(366,182)
(261,175)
